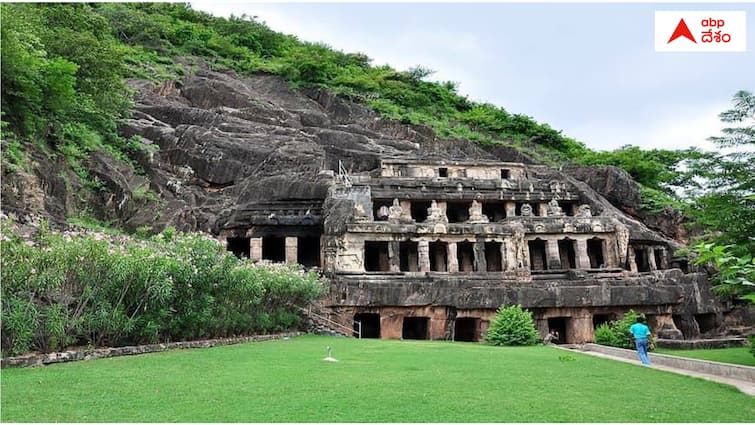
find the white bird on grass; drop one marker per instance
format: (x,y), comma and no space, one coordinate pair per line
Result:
(329,357)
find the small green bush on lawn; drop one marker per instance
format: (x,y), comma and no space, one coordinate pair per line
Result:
(616,332)
(512,326)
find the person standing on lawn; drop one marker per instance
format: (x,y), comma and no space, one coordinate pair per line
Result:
(641,333)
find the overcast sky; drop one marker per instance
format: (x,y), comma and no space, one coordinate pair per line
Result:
(587,69)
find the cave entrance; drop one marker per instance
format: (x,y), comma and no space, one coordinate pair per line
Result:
(537,255)
(239,246)
(567,207)
(380,209)
(415,328)
(495,211)
(567,253)
(658,258)
(465,329)
(505,174)
(370,324)
(419,210)
(308,251)
(465,255)
(493,257)
(559,324)
(376,257)
(438,256)
(706,322)
(408,256)
(457,212)
(599,319)
(274,248)
(641,259)
(595,253)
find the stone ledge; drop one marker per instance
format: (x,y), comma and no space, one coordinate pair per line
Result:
(693,344)
(725,370)
(99,353)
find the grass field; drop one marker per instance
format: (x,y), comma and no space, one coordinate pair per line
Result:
(735,355)
(374,380)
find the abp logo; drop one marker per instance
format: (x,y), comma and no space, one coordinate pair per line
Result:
(700,31)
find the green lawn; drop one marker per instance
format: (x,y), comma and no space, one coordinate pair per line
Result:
(375,380)
(736,355)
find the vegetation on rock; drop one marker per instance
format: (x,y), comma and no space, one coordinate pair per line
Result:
(616,332)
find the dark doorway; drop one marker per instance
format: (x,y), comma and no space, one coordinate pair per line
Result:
(409,256)
(537,255)
(595,253)
(495,211)
(493,257)
(559,325)
(458,212)
(465,255)
(380,209)
(442,172)
(370,324)
(419,210)
(465,329)
(415,328)
(599,319)
(274,248)
(567,207)
(308,251)
(438,256)
(658,258)
(641,259)
(566,252)
(376,257)
(505,174)
(706,322)
(239,246)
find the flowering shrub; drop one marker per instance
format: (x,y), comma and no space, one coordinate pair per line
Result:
(84,287)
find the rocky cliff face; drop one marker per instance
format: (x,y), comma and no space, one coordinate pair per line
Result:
(217,144)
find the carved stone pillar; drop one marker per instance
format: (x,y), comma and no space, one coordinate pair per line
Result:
(580,329)
(664,259)
(508,259)
(394,256)
(551,254)
(406,205)
(255,249)
(510,208)
(650,253)
(542,209)
(292,249)
(583,260)
(632,261)
(480,262)
(453,261)
(423,249)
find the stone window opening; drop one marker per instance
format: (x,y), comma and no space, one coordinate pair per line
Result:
(274,248)
(465,255)
(458,212)
(380,209)
(415,328)
(308,251)
(442,172)
(466,329)
(438,256)
(567,207)
(370,325)
(495,211)
(239,246)
(537,255)
(595,253)
(641,259)
(493,257)
(419,210)
(505,174)
(376,257)
(559,324)
(408,256)
(567,253)
(658,258)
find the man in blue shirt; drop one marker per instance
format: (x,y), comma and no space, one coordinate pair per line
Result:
(641,333)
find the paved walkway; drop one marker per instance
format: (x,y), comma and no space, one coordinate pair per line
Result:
(746,387)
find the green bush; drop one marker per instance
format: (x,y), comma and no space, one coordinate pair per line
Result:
(512,326)
(85,287)
(616,332)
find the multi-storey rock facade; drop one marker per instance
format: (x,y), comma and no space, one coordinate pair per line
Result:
(429,248)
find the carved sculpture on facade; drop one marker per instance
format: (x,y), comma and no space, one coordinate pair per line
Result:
(584,211)
(622,240)
(397,214)
(526,210)
(554,210)
(435,214)
(475,213)
(359,213)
